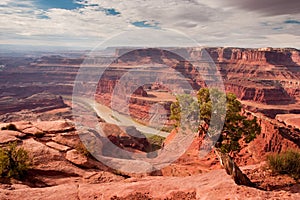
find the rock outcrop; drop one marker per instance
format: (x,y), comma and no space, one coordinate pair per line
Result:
(210,185)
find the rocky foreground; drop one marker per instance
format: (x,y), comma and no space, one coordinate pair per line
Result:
(62,170)
(211,185)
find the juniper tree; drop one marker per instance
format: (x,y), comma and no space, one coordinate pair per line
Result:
(236,127)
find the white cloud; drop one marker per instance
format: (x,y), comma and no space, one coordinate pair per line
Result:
(207,21)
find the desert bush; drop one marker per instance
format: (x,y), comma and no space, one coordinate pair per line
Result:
(156,139)
(236,126)
(11,127)
(156,142)
(14,161)
(40,134)
(286,163)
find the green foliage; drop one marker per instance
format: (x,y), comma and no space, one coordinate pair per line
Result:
(14,162)
(39,134)
(166,128)
(286,163)
(11,127)
(236,126)
(185,111)
(156,142)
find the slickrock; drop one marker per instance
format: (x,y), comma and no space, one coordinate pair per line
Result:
(58,147)
(77,158)
(212,185)
(61,192)
(7,136)
(32,130)
(54,126)
(101,177)
(41,153)
(48,160)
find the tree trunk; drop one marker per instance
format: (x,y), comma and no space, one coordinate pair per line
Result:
(232,169)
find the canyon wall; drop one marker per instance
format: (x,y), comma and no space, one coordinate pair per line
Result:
(268,76)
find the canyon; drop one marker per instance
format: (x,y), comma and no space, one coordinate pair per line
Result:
(36,96)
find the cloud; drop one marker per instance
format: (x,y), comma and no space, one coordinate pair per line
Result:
(88,22)
(267,7)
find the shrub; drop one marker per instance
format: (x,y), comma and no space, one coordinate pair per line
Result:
(236,126)
(11,127)
(39,134)
(286,163)
(156,142)
(14,162)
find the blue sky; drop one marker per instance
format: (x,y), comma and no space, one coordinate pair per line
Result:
(85,23)
(62,4)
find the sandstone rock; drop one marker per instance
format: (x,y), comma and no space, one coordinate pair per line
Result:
(77,158)
(130,138)
(129,167)
(22,125)
(292,120)
(71,140)
(58,147)
(272,139)
(101,177)
(210,185)
(61,192)
(54,126)
(49,161)
(7,136)
(39,127)
(14,133)
(33,131)
(40,153)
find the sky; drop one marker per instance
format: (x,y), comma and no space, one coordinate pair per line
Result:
(88,23)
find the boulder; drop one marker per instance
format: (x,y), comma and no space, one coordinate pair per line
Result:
(71,140)
(40,153)
(33,131)
(22,125)
(48,160)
